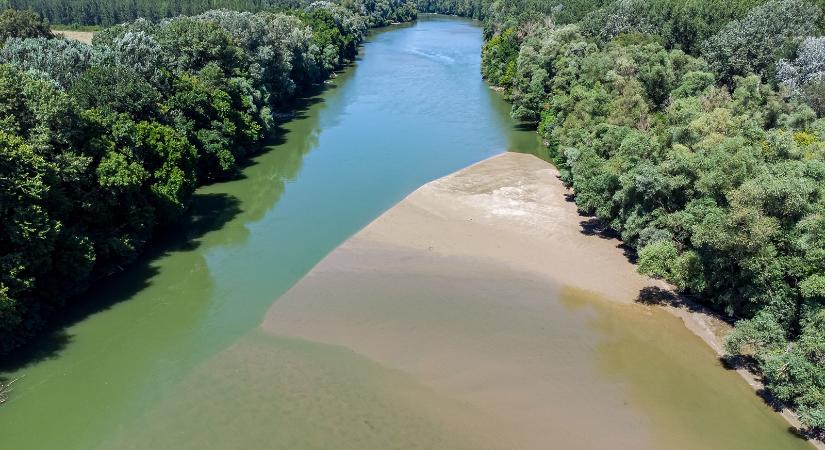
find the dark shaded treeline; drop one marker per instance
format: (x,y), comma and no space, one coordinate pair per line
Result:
(111,12)
(695,130)
(101,145)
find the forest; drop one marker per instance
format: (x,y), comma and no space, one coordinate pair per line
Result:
(96,12)
(104,144)
(695,131)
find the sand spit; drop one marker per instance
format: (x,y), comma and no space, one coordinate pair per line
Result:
(510,209)
(483,289)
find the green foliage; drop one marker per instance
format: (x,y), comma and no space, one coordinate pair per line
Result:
(61,61)
(476,9)
(713,174)
(22,24)
(756,42)
(499,58)
(90,12)
(661,259)
(672,23)
(169,160)
(80,14)
(804,76)
(24,196)
(792,370)
(378,13)
(42,172)
(193,44)
(116,89)
(707,167)
(334,34)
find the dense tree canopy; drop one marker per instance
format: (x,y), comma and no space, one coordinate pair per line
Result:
(102,144)
(476,9)
(804,75)
(95,12)
(754,43)
(22,24)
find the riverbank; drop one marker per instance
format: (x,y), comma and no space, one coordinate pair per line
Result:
(713,330)
(148,333)
(488,288)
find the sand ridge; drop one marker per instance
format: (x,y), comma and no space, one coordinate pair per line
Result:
(511,209)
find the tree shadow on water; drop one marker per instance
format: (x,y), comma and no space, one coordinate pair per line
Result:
(297,109)
(208,212)
(524,126)
(749,364)
(653,295)
(807,433)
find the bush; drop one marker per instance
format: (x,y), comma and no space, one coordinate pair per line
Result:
(756,42)
(22,24)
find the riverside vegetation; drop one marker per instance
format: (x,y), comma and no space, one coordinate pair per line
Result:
(103,144)
(93,12)
(693,129)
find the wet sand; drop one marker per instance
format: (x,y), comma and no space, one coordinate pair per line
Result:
(483,286)
(473,314)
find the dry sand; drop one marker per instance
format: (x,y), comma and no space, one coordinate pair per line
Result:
(82,36)
(486,288)
(512,210)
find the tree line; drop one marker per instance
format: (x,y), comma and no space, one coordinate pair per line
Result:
(101,145)
(695,130)
(111,12)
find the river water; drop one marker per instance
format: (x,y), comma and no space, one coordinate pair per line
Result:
(120,373)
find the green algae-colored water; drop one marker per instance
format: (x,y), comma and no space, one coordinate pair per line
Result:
(411,109)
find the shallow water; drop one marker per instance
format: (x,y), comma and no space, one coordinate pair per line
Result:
(535,364)
(411,109)
(169,354)
(387,348)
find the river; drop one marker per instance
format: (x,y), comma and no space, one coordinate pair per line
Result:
(142,350)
